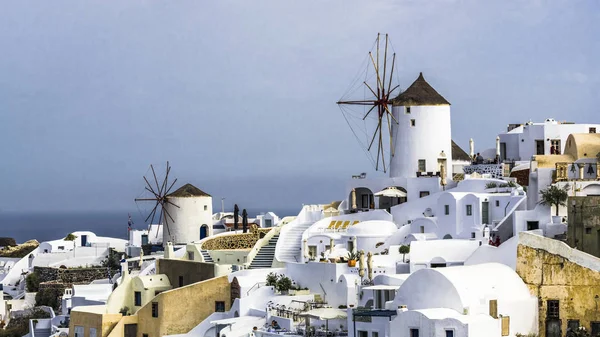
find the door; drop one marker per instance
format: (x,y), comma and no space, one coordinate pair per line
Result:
(539,147)
(533,225)
(553,328)
(202,232)
(144,239)
(485,212)
(502,151)
(84,240)
(130,330)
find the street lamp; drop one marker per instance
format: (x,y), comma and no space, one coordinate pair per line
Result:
(222,205)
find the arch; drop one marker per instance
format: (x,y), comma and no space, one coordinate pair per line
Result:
(364,198)
(447,237)
(236,314)
(369,304)
(203,231)
(591,189)
(235,290)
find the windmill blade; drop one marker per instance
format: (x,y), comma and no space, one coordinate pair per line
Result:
(164,184)
(159,221)
(384,64)
(390,131)
(372,91)
(375,134)
(149,187)
(392,75)
(151,191)
(171,203)
(389,113)
(170,187)
(154,173)
(166,211)
(152,213)
(366,102)
(368,112)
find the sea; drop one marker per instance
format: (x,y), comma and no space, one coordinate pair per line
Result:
(46,226)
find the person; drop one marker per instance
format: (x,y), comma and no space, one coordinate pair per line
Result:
(275,325)
(253,333)
(497,243)
(479,159)
(552,150)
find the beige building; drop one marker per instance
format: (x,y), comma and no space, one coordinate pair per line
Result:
(584,224)
(566,282)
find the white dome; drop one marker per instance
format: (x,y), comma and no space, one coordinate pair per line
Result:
(372,228)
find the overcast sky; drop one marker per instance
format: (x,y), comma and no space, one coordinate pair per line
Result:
(240,95)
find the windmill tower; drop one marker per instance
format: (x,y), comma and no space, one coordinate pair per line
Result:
(191,210)
(423,135)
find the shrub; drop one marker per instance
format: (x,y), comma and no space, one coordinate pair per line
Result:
(271,279)
(49,297)
(491,185)
(70,237)
(554,196)
(404,250)
(33,282)
(284,283)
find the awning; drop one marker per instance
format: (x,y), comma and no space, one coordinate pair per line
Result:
(243,319)
(382,287)
(326,313)
(391,192)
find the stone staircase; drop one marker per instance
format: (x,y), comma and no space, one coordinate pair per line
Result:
(290,247)
(264,257)
(42,332)
(206,256)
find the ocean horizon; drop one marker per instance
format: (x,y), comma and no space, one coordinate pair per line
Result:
(53,225)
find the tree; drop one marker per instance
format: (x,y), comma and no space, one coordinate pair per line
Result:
(284,283)
(33,282)
(236,217)
(404,250)
(554,196)
(244,221)
(271,280)
(70,237)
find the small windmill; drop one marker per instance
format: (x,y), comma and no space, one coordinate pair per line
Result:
(159,197)
(377,96)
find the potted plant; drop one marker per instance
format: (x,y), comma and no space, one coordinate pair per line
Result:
(284,284)
(322,257)
(554,196)
(404,250)
(352,256)
(35,322)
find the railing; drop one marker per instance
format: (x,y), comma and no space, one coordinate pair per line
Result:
(261,243)
(257,285)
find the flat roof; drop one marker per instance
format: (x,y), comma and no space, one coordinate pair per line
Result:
(374,313)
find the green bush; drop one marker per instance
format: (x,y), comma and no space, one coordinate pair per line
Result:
(271,279)
(491,185)
(33,282)
(50,297)
(284,283)
(70,237)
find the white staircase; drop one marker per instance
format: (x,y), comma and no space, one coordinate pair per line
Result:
(206,256)
(265,256)
(289,246)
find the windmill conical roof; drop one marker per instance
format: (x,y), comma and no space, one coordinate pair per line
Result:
(420,93)
(188,190)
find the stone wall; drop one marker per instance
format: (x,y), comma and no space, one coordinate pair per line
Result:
(235,241)
(549,270)
(70,276)
(522,177)
(583,231)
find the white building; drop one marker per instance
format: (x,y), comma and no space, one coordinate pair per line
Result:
(192,215)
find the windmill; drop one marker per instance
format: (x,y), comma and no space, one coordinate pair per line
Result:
(159,195)
(371,115)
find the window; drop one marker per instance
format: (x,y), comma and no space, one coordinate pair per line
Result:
(472,235)
(588,230)
(422,167)
(157,292)
(553,309)
(350,246)
(205,207)
(414,333)
(592,130)
(78,331)
(374,334)
(422,229)
(219,306)
(154,309)
(144,335)
(61,247)
(497,203)
(595,328)
(413,123)
(181,281)
(573,324)
(469,210)
(407,109)
(449,333)
(92,332)
(423,194)
(137,298)
(190,256)
(447,209)
(363,333)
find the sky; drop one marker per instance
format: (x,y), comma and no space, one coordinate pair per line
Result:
(239,96)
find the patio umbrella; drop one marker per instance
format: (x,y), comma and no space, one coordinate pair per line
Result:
(306,256)
(325,314)
(370,265)
(471,148)
(354,199)
(361,264)
(236,217)
(331,244)
(391,192)
(443,181)
(354,244)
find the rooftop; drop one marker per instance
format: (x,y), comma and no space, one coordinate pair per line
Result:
(420,93)
(188,190)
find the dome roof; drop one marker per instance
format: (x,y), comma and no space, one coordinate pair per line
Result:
(420,93)
(372,228)
(188,190)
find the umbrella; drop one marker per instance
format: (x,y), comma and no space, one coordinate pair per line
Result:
(391,192)
(361,263)
(354,246)
(244,221)
(354,199)
(306,249)
(370,265)
(471,148)
(325,314)
(331,244)
(236,216)
(443,181)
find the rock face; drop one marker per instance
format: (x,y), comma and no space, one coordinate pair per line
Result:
(7,242)
(70,276)
(19,251)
